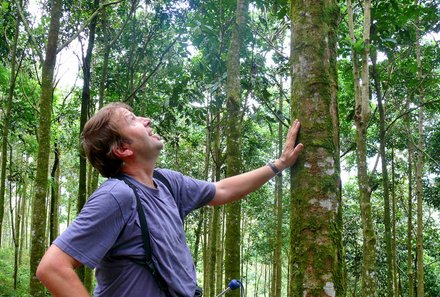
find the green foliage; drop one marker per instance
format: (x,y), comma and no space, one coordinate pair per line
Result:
(7,271)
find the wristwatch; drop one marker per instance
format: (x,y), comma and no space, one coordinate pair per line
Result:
(274,168)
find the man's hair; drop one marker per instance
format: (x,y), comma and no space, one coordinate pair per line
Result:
(100,135)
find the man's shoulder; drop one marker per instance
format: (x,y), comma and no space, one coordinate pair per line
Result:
(116,189)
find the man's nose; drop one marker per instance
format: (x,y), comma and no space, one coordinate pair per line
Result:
(146,121)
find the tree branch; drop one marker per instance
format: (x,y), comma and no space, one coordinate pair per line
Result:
(144,81)
(86,23)
(407,112)
(29,31)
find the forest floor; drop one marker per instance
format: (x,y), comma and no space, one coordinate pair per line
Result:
(7,274)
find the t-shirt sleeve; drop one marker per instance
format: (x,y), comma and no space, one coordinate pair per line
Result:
(97,227)
(190,193)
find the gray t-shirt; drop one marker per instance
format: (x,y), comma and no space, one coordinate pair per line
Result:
(107,229)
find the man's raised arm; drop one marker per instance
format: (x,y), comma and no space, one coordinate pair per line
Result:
(235,187)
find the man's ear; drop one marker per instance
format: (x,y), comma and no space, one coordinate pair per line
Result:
(122,150)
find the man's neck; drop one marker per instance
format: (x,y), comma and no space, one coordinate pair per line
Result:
(143,174)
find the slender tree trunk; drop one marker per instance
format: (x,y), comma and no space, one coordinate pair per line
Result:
(84,273)
(419,172)
(233,163)
(207,251)
(39,203)
(103,77)
(362,115)
(393,219)
(315,181)
(7,120)
(214,218)
(385,183)
(209,245)
(85,106)
(15,220)
(198,233)
(23,213)
(410,205)
(216,280)
(54,204)
(276,275)
(208,212)
(220,249)
(356,270)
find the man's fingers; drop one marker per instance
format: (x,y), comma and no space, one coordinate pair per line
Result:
(293,133)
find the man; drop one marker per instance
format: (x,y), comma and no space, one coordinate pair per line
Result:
(106,235)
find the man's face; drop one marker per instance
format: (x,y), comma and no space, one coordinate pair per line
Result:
(138,131)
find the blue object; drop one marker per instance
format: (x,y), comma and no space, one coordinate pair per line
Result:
(234,284)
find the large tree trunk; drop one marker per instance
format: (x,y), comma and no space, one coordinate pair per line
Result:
(362,116)
(7,120)
(385,183)
(315,182)
(39,203)
(233,139)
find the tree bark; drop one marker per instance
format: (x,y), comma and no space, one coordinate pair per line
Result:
(39,203)
(233,139)
(315,183)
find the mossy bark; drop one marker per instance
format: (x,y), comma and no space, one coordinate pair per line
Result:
(38,226)
(233,139)
(315,223)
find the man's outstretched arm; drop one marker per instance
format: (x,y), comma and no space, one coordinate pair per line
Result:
(57,272)
(235,187)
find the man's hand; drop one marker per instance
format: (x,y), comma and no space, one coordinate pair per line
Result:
(291,150)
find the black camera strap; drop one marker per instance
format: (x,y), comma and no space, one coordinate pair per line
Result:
(146,238)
